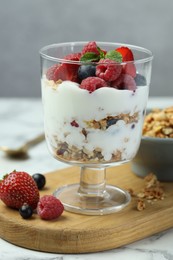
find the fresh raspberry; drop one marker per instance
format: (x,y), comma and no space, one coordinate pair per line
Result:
(108,70)
(124,81)
(127,55)
(73,56)
(92,83)
(49,207)
(18,188)
(50,72)
(130,69)
(64,71)
(90,47)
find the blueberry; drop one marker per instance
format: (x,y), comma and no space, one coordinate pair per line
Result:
(39,179)
(140,80)
(26,211)
(111,121)
(86,71)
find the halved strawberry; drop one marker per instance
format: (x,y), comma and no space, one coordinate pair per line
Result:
(127,55)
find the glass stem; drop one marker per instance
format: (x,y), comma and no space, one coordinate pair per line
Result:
(92,182)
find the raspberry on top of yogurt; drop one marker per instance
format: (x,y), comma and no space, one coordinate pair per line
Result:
(98,65)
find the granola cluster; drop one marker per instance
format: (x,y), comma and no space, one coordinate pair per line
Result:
(51,83)
(69,152)
(112,120)
(72,153)
(159,123)
(152,191)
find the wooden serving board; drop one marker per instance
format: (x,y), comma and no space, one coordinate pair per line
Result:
(74,233)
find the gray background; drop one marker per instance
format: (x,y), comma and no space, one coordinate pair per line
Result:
(26,26)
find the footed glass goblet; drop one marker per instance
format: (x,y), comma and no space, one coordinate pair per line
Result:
(94,99)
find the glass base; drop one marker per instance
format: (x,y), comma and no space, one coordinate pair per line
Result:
(112,200)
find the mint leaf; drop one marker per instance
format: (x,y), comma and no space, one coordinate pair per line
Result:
(102,54)
(114,55)
(89,57)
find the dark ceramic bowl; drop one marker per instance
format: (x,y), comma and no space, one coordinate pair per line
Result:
(154,155)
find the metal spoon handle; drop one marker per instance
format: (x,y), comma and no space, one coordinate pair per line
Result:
(34,141)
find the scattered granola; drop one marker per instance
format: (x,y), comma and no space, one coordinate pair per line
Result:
(159,123)
(152,192)
(141,204)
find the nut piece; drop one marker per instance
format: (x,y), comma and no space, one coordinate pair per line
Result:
(141,205)
(152,192)
(159,123)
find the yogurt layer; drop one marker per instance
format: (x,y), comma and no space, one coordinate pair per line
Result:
(99,127)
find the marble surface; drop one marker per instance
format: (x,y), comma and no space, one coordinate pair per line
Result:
(22,119)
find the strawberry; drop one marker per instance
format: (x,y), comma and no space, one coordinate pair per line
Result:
(127,55)
(18,188)
(64,71)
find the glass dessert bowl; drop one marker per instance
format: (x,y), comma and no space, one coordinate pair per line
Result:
(94,99)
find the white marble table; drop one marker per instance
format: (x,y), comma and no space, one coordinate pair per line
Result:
(22,119)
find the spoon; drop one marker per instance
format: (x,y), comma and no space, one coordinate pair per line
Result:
(22,150)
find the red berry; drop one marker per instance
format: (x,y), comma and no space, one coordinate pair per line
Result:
(92,83)
(108,70)
(125,81)
(64,71)
(50,72)
(49,207)
(18,188)
(74,123)
(90,47)
(73,56)
(127,55)
(130,69)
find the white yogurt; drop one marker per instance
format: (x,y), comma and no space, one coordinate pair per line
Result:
(68,102)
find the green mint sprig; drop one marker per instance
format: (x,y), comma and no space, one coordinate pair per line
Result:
(102,54)
(114,55)
(94,57)
(89,57)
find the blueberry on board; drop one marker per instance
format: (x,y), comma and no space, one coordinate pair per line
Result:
(86,71)
(140,80)
(39,179)
(26,211)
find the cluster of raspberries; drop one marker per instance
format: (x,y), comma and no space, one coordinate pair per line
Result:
(102,71)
